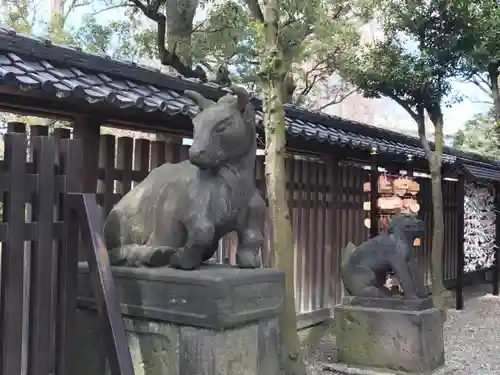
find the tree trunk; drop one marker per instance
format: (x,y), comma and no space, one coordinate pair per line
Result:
(180,15)
(273,76)
(495,91)
(435,161)
(181,45)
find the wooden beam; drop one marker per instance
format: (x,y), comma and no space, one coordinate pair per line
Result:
(460,246)
(87,129)
(373,196)
(496,268)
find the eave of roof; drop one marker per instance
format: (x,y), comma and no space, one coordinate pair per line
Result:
(30,63)
(481,174)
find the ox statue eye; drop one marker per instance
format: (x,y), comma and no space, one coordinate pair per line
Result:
(220,128)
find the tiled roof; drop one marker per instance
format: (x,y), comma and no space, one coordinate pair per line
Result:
(479,173)
(30,63)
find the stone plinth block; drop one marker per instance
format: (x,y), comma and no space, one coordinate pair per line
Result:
(398,339)
(214,321)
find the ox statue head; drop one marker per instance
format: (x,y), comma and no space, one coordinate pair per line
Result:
(224,131)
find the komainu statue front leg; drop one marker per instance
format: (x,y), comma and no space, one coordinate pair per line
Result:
(250,233)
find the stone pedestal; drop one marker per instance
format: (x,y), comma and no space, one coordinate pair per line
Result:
(214,321)
(390,334)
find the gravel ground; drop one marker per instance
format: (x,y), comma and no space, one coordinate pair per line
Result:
(472,336)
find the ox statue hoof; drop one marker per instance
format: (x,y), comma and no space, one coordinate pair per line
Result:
(248,259)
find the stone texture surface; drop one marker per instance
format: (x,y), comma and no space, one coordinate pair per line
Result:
(214,321)
(268,347)
(167,349)
(339,368)
(92,352)
(318,342)
(404,341)
(390,303)
(215,296)
(154,347)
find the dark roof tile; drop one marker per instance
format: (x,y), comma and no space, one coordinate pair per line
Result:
(480,173)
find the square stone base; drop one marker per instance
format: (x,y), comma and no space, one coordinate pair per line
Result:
(159,348)
(384,339)
(217,320)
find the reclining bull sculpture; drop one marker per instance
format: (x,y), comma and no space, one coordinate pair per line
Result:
(178,214)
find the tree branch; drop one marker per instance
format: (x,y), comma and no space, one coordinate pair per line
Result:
(419,116)
(421,132)
(166,57)
(480,82)
(111,7)
(73,5)
(255,9)
(336,100)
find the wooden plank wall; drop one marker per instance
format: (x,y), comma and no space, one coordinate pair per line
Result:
(38,271)
(451,224)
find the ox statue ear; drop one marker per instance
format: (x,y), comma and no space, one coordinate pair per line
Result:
(199,99)
(242,97)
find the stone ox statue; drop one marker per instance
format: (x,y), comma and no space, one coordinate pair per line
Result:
(365,270)
(178,214)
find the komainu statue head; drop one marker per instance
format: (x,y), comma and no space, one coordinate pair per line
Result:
(224,131)
(406,226)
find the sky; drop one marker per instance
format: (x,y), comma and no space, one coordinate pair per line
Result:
(455,115)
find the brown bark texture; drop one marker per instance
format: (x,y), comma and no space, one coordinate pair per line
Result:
(273,81)
(439,293)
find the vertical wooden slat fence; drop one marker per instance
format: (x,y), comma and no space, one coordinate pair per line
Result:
(43,257)
(452,235)
(70,165)
(124,162)
(13,303)
(37,290)
(452,200)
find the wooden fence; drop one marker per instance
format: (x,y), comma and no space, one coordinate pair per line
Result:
(38,270)
(452,228)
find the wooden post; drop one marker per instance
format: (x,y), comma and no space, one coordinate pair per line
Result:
(496,268)
(460,249)
(70,155)
(88,130)
(43,258)
(373,196)
(13,256)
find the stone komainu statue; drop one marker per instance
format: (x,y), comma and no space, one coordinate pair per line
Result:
(178,214)
(365,270)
